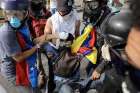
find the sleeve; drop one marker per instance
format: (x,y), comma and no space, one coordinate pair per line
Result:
(101,66)
(9,43)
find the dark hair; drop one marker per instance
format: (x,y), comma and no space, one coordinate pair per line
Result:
(102,2)
(135,7)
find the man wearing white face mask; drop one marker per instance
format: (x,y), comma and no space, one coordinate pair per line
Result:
(65,20)
(63,25)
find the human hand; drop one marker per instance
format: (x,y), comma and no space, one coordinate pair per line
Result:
(95,75)
(41,79)
(39,40)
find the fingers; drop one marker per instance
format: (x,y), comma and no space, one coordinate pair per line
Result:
(36,40)
(95,75)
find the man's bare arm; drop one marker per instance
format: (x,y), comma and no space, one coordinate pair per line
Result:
(48,31)
(77,29)
(23,55)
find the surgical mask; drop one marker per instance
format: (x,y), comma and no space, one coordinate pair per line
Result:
(15,22)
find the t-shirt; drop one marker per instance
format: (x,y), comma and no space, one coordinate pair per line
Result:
(8,42)
(8,47)
(66,23)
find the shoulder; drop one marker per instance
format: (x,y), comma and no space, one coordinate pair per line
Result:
(6,31)
(75,14)
(53,18)
(49,21)
(5,28)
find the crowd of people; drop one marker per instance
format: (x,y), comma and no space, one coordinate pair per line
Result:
(102,58)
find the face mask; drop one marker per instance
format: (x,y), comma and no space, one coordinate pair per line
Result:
(66,17)
(15,22)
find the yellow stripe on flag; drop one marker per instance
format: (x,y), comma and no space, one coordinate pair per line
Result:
(92,57)
(79,41)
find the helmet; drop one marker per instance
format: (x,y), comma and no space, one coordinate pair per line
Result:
(91,5)
(64,5)
(14,4)
(116,28)
(95,10)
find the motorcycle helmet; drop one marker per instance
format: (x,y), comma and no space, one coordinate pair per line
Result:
(95,10)
(116,28)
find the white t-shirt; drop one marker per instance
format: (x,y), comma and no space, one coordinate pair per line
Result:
(66,23)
